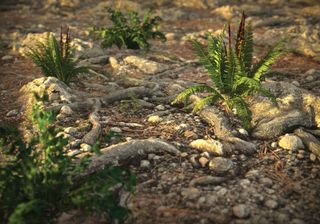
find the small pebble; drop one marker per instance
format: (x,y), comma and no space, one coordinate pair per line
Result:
(274,144)
(144,163)
(271,204)
(154,119)
(184,154)
(160,107)
(85,147)
(313,157)
(115,129)
(203,161)
(12,113)
(241,211)
(7,58)
(243,132)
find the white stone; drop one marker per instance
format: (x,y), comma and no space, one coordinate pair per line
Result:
(313,157)
(220,165)
(147,66)
(309,78)
(209,145)
(244,132)
(12,113)
(274,145)
(241,211)
(115,129)
(271,204)
(144,163)
(114,62)
(7,58)
(160,107)
(85,147)
(203,161)
(70,130)
(154,119)
(296,83)
(291,142)
(66,110)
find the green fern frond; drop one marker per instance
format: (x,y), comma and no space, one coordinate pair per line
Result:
(194,89)
(263,66)
(55,58)
(212,60)
(206,101)
(243,111)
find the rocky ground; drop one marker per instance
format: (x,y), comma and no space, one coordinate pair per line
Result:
(191,168)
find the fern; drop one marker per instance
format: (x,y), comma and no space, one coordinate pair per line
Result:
(130,31)
(264,65)
(55,58)
(230,69)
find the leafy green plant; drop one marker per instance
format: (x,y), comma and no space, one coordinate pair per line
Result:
(130,31)
(232,72)
(56,58)
(39,181)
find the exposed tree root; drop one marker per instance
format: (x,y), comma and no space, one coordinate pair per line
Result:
(127,150)
(93,135)
(216,118)
(311,142)
(230,144)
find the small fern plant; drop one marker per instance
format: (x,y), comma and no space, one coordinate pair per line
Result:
(56,58)
(232,72)
(39,181)
(130,31)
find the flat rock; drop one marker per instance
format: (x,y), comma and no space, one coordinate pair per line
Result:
(220,165)
(291,142)
(296,107)
(209,145)
(147,66)
(241,211)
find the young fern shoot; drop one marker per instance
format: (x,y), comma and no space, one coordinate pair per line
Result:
(56,58)
(231,71)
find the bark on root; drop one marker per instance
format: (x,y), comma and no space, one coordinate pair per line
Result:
(93,135)
(127,150)
(311,142)
(216,118)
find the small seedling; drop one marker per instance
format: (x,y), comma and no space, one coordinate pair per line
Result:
(230,69)
(56,58)
(130,31)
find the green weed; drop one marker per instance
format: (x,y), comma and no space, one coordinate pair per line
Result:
(130,31)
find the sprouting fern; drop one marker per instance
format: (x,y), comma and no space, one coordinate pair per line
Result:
(230,69)
(56,58)
(130,31)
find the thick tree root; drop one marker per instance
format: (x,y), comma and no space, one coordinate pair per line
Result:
(311,142)
(93,135)
(216,118)
(123,151)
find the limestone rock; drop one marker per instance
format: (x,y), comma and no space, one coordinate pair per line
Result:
(154,119)
(212,146)
(220,165)
(241,211)
(296,107)
(147,66)
(12,113)
(291,142)
(51,87)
